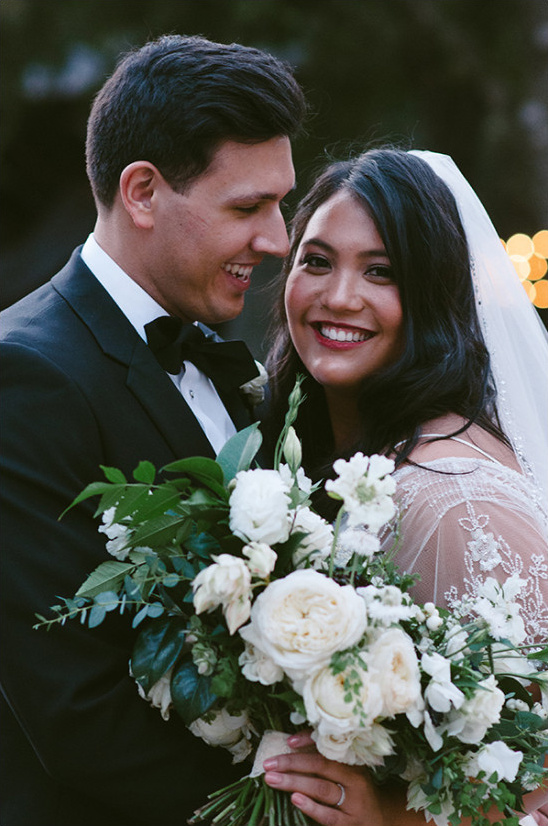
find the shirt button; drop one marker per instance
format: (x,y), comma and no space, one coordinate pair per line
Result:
(191,393)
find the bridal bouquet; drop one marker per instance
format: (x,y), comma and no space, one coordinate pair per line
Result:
(255,616)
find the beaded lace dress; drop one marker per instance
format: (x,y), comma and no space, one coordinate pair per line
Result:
(467,512)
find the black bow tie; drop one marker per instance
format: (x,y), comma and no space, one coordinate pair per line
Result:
(228,364)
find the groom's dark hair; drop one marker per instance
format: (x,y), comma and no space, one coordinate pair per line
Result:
(176,99)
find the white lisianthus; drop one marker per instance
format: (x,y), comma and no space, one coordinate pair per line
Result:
(257,667)
(456,639)
(226,583)
(301,620)
(477,714)
(494,758)
(359,541)
(262,559)
(432,733)
(440,692)
(233,732)
(303,482)
(393,660)
(292,450)
(361,747)
(495,604)
(159,695)
(118,535)
(315,548)
(259,506)
(366,488)
(325,696)
(385,604)
(511,662)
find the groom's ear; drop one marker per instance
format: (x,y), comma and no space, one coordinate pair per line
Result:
(138,184)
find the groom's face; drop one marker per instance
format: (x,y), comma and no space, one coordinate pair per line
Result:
(207,240)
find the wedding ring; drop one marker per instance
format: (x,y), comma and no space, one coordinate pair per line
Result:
(342,797)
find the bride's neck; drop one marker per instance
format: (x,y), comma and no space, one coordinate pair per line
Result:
(345,418)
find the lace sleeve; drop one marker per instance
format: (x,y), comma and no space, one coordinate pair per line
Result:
(472,520)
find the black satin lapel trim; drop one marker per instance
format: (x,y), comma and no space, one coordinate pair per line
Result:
(165,406)
(237,410)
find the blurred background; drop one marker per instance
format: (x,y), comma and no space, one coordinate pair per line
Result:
(465,77)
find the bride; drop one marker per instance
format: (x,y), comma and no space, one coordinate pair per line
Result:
(417,340)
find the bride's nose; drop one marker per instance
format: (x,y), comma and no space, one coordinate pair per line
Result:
(342,293)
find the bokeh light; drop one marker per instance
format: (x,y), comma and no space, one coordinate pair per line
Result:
(529,256)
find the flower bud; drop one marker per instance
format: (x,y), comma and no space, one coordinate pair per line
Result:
(292,450)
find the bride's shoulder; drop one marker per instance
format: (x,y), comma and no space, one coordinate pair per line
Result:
(472,443)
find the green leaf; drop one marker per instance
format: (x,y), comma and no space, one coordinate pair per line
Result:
(145,472)
(94,489)
(96,615)
(114,475)
(108,576)
(157,532)
(240,450)
(191,692)
(156,649)
(205,471)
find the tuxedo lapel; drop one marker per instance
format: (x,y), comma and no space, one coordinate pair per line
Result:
(118,340)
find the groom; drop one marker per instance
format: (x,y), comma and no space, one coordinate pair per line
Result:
(188,155)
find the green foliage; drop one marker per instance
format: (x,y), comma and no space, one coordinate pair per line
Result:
(192,693)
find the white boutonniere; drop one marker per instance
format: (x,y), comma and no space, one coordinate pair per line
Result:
(254,390)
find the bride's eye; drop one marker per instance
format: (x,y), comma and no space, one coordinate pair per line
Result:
(380,274)
(313,262)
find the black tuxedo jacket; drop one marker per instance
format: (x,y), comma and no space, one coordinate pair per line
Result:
(80,389)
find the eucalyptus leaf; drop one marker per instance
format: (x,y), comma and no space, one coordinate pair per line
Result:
(191,692)
(96,615)
(239,451)
(108,576)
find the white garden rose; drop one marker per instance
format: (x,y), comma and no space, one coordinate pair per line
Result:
(262,559)
(477,714)
(361,747)
(366,488)
(393,660)
(257,667)
(325,698)
(227,582)
(315,548)
(301,620)
(233,732)
(259,506)
(159,695)
(495,758)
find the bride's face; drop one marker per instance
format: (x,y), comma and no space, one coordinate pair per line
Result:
(343,308)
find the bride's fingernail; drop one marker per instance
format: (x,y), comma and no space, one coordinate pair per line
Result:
(273,778)
(270,763)
(294,740)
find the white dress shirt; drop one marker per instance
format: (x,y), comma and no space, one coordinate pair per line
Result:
(140,308)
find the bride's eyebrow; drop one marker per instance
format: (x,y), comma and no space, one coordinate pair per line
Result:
(318,242)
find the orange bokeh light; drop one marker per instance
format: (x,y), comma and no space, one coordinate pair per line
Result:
(540,242)
(530,289)
(520,244)
(538,266)
(541,294)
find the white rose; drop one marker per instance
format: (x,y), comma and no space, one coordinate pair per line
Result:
(301,620)
(392,658)
(227,583)
(259,506)
(233,732)
(314,548)
(118,535)
(257,667)
(440,692)
(159,695)
(363,747)
(511,662)
(477,714)
(495,758)
(325,693)
(254,389)
(262,559)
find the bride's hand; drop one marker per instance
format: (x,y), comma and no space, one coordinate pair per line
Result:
(331,793)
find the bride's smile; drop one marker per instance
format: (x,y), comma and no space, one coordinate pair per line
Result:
(343,305)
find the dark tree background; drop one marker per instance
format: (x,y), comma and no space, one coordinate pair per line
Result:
(465,77)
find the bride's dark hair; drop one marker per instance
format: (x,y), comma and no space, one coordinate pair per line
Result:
(445,365)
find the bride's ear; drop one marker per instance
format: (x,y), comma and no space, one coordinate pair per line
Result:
(138,184)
